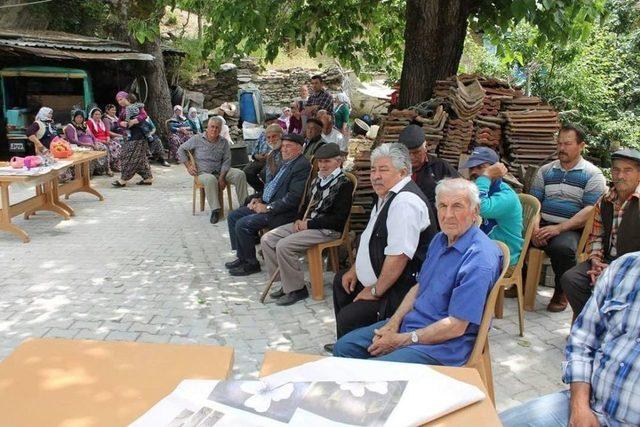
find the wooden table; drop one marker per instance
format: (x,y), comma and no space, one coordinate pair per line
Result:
(48,190)
(80,383)
(479,414)
(46,198)
(82,179)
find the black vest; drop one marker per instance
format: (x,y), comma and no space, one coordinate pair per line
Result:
(378,242)
(628,237)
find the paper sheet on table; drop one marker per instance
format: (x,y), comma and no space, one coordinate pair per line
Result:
(329,392)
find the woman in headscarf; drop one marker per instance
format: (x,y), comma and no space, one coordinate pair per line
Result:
(341,113)
(133,158)
(41,131)
(224,132)
(76,133)
(194,121)
(295,121)
(100,130)
(112,121)
(179,131)
(284,118)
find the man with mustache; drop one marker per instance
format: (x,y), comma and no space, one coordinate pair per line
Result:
(616,229)
(567,189)
(392,246)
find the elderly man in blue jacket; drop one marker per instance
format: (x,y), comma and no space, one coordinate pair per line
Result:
(277,205)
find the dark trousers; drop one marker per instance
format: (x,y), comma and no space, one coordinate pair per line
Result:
(561,250)
(244,226)
(352,315)
(577,286)
(253,171)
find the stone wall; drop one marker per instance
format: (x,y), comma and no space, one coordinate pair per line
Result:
(278,87)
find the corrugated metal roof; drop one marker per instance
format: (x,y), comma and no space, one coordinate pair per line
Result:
(69,46)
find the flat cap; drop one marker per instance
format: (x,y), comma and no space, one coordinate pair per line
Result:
(315,121)
(328,151)
(412,137)
(627,153)
(293,137)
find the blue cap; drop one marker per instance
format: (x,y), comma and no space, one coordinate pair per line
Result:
(481,155)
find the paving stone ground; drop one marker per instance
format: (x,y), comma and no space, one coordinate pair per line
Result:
(140,267)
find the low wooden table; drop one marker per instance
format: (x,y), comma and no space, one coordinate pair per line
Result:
(81,383)
(46,198)
(479,414)
(82,179)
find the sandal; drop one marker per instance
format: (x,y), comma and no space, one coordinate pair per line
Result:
(143,182)
(118,184)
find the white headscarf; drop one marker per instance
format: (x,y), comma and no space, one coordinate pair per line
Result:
(44,114)
(180,116)
(343,98)
(224,132)
(99,124)
(43,117)
(192,110)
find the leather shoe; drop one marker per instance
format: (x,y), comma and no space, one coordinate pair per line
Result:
(558,302)
(233,264)
(293,297)
(164,163)
(329,347)
(245,269)
(277,293)
(215,216)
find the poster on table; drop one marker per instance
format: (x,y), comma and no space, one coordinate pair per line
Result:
(328,392)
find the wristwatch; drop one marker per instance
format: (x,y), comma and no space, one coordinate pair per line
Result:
(373,291)
(269,208)
(414,337)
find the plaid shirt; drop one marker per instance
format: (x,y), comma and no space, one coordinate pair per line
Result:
(595,246)
(604,345)
(323,99)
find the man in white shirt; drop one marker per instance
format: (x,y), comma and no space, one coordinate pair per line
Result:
(332,135)
(392,246)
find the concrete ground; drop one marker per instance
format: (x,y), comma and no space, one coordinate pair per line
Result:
(140,267)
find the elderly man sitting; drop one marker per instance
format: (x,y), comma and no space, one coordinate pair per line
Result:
(277,205)
(438,319)
(392,246)
(212,155)
(328,203)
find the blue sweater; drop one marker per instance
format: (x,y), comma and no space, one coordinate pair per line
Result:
(501,214)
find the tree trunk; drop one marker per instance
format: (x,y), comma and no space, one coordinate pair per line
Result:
(158,103)
(199,13)
(434,39)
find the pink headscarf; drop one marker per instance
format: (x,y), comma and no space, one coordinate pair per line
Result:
(121,94)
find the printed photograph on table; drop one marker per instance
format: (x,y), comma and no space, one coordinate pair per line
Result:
(354,403)
(204,417)
(254,396)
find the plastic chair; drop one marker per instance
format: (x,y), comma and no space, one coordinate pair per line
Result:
(535,258)
(314,253)
(530,215)
(198,187)
(480,358)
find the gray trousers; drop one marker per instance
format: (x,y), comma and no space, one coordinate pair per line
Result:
(234,176)
(577,286)
(282,247)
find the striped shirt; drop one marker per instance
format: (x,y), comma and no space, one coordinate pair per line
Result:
(596,245)
(604,345)
(564,193)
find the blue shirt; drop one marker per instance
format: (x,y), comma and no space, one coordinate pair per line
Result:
(501,213)
(454,281)
(261,146)
(604,345)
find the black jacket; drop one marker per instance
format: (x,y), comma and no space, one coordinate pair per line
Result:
(287,197)
(334,212)
(428,176)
